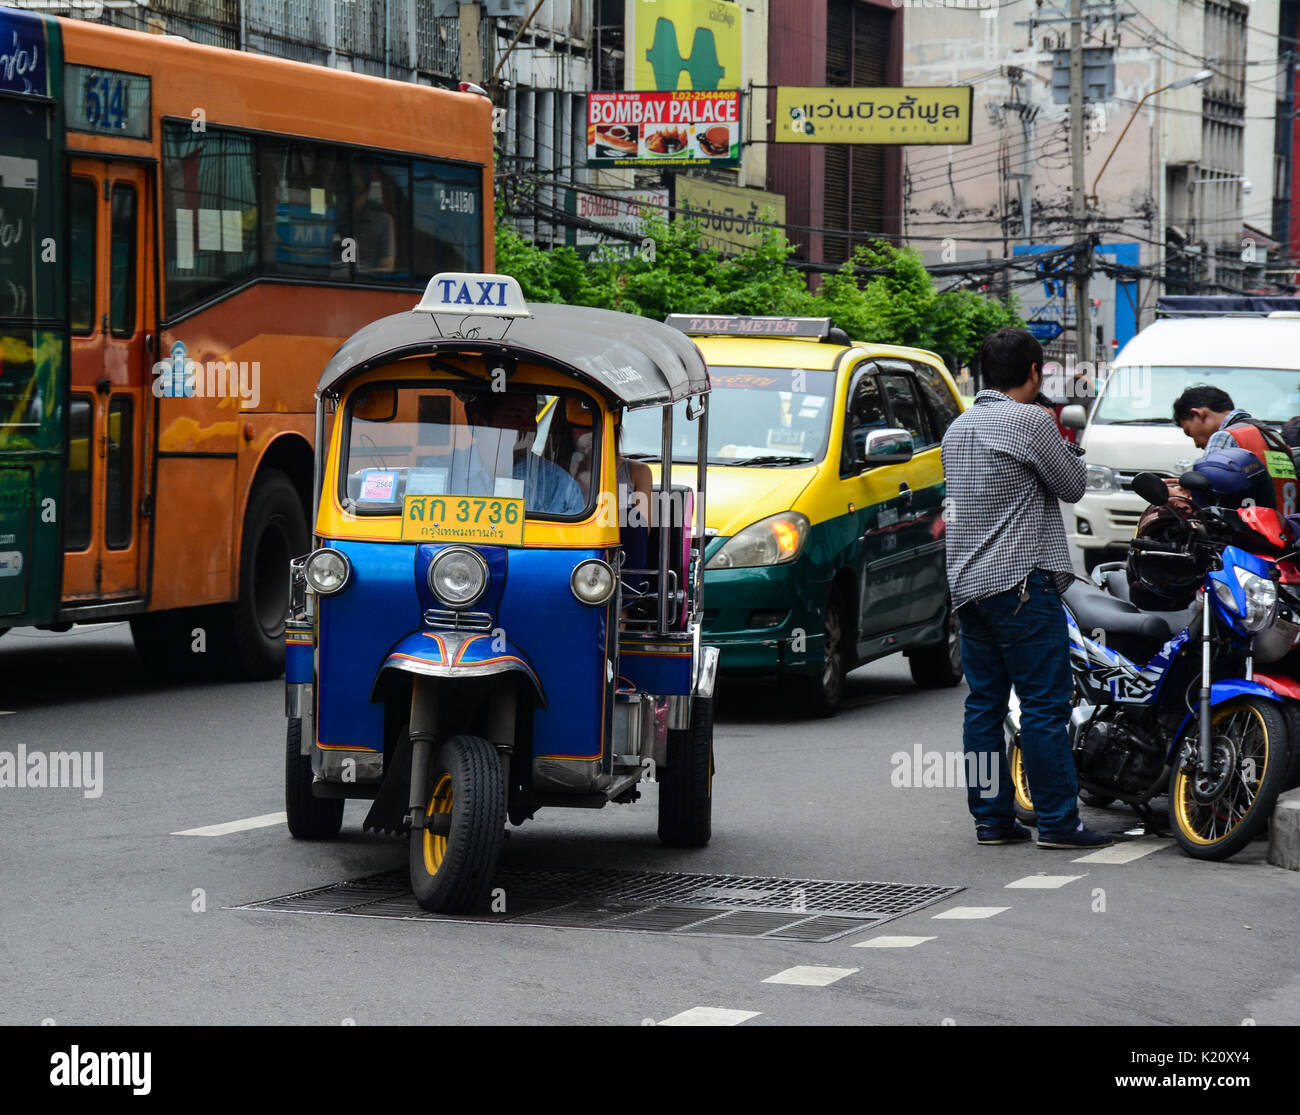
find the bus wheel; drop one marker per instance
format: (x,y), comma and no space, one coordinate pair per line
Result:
(310,817)
(686,782)
(275,530)
(451,871)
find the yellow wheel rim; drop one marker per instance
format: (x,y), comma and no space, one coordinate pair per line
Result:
(1209,824)
(1019,781)
(435,847)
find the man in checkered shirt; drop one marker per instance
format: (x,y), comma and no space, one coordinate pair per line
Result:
(1007,469)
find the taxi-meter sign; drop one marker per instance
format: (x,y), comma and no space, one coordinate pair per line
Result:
(460,293)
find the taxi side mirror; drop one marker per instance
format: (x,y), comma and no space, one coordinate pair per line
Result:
(884,447)
(375,404)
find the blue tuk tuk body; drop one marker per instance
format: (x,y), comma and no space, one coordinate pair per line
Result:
(487,625)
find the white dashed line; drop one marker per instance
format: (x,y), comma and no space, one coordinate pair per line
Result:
(3,712)
(1125,853)
(1041,882)
(810,975)
(893,942)
(710,1016)
(264,821)
(970,913)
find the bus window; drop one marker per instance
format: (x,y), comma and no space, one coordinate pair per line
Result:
(380,192)
(448,233)
(302,188)
(209,213)
(76,515)
(122,261)
(82,205)
(119,475)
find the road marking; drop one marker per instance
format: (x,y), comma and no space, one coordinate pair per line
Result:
(1041,882)
(710,1016)
(262,822)
(893,942)
(4,713)
(810,975)
(970,913)
(1124,853)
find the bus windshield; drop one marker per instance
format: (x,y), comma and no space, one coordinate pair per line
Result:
(1145,396)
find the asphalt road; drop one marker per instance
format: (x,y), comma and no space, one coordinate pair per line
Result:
(107,917)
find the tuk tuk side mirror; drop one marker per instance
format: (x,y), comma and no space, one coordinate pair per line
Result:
(1074,417)
(375,404)
(884,447)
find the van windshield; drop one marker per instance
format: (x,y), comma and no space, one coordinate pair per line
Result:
(1145,396)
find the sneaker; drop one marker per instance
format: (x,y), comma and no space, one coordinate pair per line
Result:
(1079,838)
(1012,833)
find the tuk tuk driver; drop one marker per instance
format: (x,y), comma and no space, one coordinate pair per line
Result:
(493,454)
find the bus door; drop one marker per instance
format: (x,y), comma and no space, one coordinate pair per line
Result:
(110,314)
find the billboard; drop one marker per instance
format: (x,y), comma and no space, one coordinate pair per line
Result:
(732,217)
(664,129)
(619,211)
(685,44)
(895,115)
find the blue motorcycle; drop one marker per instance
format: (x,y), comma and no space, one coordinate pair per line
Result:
(1152,715)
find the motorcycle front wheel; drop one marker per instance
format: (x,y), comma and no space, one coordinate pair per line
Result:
(1216,813)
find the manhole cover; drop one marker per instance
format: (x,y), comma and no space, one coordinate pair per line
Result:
(641,901)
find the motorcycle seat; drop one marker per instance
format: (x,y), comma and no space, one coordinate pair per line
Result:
(1092,608)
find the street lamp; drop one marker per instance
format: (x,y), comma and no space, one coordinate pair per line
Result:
(1199,78)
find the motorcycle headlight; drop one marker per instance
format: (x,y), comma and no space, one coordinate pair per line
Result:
(1261,600)
(1101,479)
(771,541)
(458,576)
(327,571)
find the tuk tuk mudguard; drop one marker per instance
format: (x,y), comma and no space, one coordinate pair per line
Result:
(457,654)
(1221,691)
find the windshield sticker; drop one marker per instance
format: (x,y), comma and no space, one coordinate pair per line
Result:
(426,482)
(377,486)
(508,488)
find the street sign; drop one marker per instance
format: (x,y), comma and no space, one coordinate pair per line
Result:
(1046,330)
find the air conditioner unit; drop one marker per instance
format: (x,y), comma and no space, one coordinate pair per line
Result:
(504,9)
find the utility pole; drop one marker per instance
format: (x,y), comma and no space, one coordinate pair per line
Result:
(1079,203)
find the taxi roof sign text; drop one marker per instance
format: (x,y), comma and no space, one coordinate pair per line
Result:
(460,293)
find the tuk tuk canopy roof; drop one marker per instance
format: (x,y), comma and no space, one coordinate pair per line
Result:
(633,361)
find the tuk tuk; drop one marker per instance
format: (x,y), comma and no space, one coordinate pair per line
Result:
(495,617)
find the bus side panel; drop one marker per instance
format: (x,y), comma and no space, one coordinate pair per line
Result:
(193,542)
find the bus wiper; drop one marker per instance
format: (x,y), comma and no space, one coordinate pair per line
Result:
(772,459)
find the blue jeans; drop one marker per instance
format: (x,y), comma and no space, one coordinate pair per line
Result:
(1030,649)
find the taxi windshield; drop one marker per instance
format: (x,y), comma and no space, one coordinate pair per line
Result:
(408,439)
(757,416)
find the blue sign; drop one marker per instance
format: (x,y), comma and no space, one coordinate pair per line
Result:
(1045,330)
(23,54)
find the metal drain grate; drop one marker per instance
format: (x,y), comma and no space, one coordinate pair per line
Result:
(642,901)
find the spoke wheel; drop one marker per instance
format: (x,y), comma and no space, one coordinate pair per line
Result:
(1020,784)
(1216,813)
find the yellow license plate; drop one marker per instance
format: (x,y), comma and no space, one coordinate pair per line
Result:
(485,520)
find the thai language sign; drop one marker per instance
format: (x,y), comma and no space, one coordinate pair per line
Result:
(732,218)
(622,211)
(664,129)
(916,114)
(685,44)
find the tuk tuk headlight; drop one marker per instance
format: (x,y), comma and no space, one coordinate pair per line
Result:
(458,576)
(771,541)
(327,571)
(592,582)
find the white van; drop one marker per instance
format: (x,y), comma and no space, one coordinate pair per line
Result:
(1130,428)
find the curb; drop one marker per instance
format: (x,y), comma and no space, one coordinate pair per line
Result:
(1284,832)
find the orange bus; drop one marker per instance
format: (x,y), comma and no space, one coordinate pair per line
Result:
(227,219)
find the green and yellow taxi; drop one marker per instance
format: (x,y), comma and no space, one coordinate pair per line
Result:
(825,513)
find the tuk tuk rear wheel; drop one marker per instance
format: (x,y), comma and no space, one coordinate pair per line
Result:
(310,817)
(686,781)
(452,874)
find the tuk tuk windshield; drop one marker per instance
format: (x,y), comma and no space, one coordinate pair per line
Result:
(424,439)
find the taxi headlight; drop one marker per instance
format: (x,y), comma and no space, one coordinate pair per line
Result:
(592,582)
(327,571)
(771,541)
(458,577)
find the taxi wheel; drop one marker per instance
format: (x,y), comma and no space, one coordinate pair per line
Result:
(823,693)
(452,874)
(310,817)
(686,781)
(939,666)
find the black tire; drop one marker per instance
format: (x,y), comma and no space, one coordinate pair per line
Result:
(250,632)
(939,666)
(1096,800)
(310,817)
(453,874)
(820,696)
(1292,779)
(686,781)
(1257,730)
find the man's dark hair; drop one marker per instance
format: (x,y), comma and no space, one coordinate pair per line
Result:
(1202,395)
(1007,358)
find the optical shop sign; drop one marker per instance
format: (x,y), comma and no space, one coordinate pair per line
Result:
(913,115)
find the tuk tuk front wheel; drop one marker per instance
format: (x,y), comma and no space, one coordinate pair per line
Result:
(310,817)
(686,782)
(452,873)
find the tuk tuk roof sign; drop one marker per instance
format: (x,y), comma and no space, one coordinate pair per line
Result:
(633,361)
(460,293)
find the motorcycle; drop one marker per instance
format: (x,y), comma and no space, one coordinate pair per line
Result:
(1153,716)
